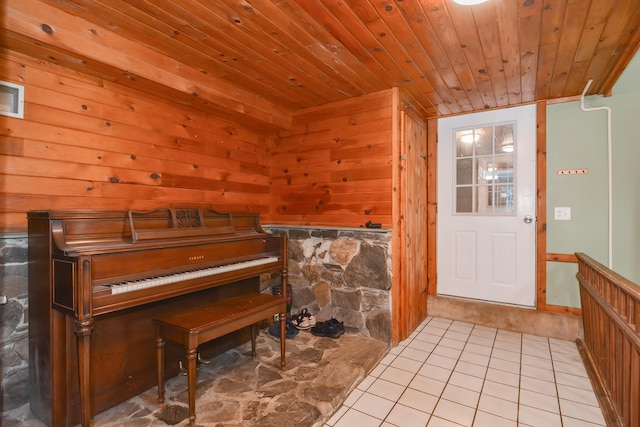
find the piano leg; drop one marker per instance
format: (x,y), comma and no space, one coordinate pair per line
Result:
(160,347)
(83,334)
(254,333)
(191,380)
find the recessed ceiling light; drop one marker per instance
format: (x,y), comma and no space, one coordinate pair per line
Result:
(469,2)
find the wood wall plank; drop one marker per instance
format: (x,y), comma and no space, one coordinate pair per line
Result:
(86,143)
(334,166)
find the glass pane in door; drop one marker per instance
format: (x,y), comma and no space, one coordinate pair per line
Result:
(485,170)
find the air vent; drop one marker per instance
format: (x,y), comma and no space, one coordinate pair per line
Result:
(11,100)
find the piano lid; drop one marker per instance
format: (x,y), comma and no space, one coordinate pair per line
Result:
(75,231)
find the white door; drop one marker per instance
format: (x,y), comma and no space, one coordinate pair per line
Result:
(486,206)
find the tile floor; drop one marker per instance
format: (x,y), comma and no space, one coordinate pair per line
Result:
(451,373)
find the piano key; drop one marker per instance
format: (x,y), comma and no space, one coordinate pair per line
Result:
(134,285)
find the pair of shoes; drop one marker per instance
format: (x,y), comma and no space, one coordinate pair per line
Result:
(290,331)
(331,328)
(304,320)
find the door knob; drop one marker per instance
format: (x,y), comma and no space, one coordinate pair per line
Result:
(528,219)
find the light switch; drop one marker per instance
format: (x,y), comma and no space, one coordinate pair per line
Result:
(562,214)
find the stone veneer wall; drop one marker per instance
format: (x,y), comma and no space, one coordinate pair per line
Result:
(342,273)
(14,336)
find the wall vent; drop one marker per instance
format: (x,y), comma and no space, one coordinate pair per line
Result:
(11,100)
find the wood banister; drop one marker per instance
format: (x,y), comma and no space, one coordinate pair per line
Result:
(611,321)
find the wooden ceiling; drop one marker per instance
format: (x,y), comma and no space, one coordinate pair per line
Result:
(268,58)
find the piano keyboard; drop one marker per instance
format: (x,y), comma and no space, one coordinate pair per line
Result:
(135,285)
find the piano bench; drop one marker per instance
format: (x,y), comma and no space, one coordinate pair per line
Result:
(193,327)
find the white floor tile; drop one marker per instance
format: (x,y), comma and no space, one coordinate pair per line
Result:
(335,417)
(574,381)
(439,422)
(454,412)
(452,374)
(355,418)
(353,397)
(468,381)
(535,372)
(417,399)
(580,411)
(461,395)
(442,361)
(452,353)
(502,391)
(366,383)
(471,369)
(424,346)
(386,389)
(373,405)
(503,377)
(435,372)
(538,417)
(483,350)
(427,385)
(579,395)
(539,386)
(504,365)
(406,416)
(397,376)
(570,368)
(484,419)
(406,364)
(499,407)
(481,340)
(539,362)
(412,353)
(539,400)
(449,342)
(476,359)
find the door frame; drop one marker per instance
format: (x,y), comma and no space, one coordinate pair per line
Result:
(541,208)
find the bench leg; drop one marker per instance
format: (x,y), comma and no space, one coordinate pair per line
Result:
(254,333)
(160,351)
(191,381)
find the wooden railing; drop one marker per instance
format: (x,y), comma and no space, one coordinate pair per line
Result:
(611,317)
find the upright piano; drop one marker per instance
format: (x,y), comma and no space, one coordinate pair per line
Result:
(98,278)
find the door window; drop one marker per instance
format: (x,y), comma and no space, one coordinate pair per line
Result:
(485,170)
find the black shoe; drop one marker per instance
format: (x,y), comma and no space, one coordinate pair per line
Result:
(291,330)
(331,328)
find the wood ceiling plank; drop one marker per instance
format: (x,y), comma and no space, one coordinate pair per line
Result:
(277,26)
(398,26)
(614,51)
(552,16)
(26,17)
(491,41)
(443,30)
(418,21)
(507,17)
(387,49)
(240,59)
(350,68)
(574,19)
(465,25)
(529,34)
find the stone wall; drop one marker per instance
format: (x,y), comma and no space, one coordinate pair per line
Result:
(344,274)
(14,345)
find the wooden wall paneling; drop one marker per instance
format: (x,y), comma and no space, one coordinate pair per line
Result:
(541,206)
(333,167)
(409,288)
(91,144)
(398,258)
(432,205)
